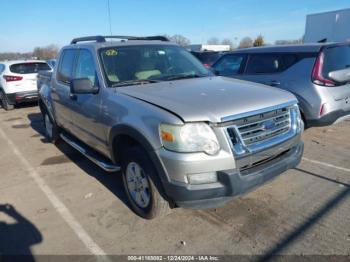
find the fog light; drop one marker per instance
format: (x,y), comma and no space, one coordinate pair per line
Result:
(202,178)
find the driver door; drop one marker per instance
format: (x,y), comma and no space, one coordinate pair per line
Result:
(86,115)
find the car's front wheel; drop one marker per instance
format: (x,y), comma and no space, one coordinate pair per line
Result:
(51,129)
(140,180)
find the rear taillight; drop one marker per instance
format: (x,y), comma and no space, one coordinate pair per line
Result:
(317,76)
(12,78)
(207,65)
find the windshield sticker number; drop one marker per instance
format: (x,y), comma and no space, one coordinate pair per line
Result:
(111,52)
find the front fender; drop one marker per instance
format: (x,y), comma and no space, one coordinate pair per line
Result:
(133,133)
(45,101)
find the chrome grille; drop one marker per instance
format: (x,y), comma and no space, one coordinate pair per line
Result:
(262,127)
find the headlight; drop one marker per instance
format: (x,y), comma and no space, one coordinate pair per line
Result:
(192,137)
(299,124)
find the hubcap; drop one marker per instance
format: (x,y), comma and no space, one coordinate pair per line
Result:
(48,126)
(138,185)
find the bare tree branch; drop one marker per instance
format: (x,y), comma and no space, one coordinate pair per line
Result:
(246,42)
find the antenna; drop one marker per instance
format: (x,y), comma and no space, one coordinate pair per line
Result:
(109,17)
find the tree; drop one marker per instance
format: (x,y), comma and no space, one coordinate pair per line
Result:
(44,53)
(213,41)
(259,41)
(180,39)
(47,52)
(289,42)
(246,42)
(227,41)
(15,56)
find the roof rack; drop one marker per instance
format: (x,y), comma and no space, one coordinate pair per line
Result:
(101,39)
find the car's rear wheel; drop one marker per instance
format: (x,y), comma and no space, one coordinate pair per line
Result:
(140,179)
(5,103)
(51,129)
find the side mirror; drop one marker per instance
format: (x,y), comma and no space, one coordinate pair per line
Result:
(340,76)
(83,86)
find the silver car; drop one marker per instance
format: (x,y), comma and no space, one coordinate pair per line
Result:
(180,136)
(317,74)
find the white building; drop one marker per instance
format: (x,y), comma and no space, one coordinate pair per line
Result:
(331,26)
(200,48)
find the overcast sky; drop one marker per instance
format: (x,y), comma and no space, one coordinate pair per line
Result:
(25,24)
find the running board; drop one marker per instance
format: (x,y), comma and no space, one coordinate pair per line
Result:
(92,156)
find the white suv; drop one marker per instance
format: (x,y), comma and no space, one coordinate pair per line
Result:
(18,81)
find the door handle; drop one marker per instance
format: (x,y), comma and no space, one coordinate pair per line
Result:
(274,83)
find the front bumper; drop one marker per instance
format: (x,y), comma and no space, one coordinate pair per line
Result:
(21,97)
(232,183)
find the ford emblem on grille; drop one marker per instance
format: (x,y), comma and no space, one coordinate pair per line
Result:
(269,124)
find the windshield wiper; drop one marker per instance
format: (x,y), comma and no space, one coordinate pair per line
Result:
(184,76)
(135,82)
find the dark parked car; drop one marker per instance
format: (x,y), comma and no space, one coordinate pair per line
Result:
(208,58)
(51,63)
(317,74)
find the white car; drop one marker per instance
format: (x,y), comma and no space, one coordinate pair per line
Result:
(18,81)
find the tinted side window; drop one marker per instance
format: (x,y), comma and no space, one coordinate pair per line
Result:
(2,68)
(264,64)
(229,65)
(207,57)
(85,67)
(289,60)
(336,58)
(65,71)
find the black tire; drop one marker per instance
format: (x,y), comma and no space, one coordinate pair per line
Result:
(5,103)
(54,135)
(158,206)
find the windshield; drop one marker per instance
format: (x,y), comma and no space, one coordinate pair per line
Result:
(149,63)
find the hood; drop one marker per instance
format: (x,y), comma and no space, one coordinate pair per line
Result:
(209,98)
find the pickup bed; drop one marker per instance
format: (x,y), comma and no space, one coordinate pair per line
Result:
(147,109)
